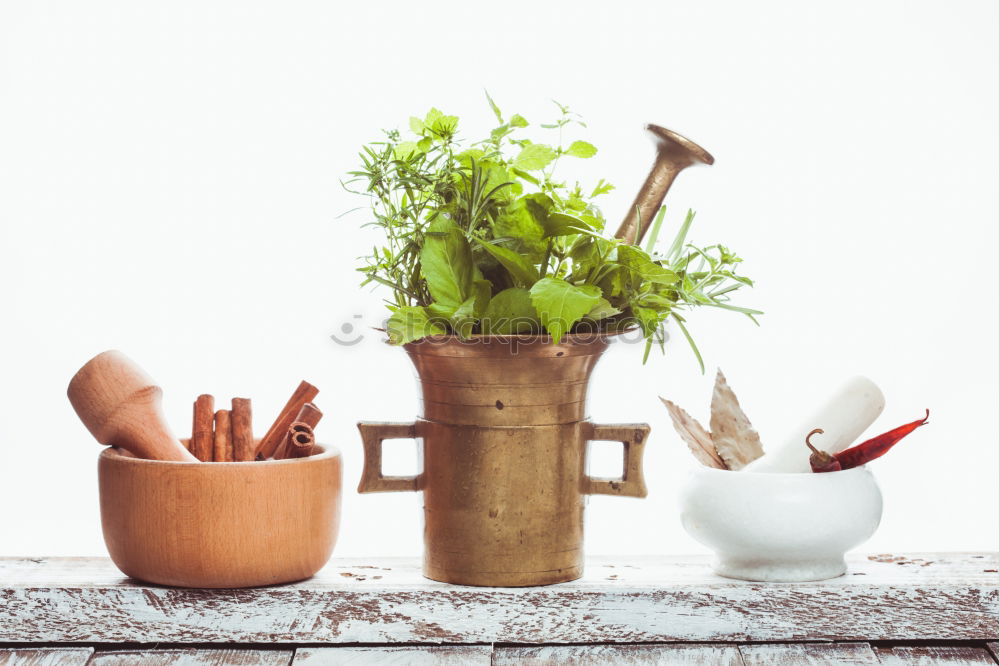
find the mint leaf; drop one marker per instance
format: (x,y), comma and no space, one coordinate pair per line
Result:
(416,125)
(581,149)
(440,124)
(560,304)
(446,265)
(467,157)
(561,224)
(432,116)
(519,268)
(411,323)
(521,229)
(533,157)
(510,312)
(602,310)
(517,120)
(405,149)
(648,319)
(641,266)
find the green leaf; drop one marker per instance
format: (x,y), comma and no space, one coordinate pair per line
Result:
(493,105)
(432,116)
(416,125)
(482,290)
(647,318)
(519,224)
(510,312)
(464,318)
(525,175)
(405,149)
(581,149)
(601,188)
(517,120)
(517,265)
(411,323)
(560,304)
(655,232)
(678,243)
(467,157)
(694,347)
(640,265)
(440,124)
(500,132)
(602,310)
(446,264)
(561,224)
(442,311)
(534,156)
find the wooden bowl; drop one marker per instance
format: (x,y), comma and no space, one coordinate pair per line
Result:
(220,524)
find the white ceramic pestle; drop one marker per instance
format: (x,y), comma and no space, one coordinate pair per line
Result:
(843,418)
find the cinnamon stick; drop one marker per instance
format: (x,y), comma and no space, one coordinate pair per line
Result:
(269,443)
(201,429)
(242,430)
(299,444)
(309,415)
(223,448)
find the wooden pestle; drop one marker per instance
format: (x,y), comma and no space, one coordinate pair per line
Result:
(120,405)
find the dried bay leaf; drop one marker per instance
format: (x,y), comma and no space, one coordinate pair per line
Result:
(695,436)
(737,443)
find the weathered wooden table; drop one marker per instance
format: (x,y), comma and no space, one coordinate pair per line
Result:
(888,609)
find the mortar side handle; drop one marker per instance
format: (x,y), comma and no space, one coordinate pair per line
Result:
(372,436)
(633,438)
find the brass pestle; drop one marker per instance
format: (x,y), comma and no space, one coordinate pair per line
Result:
(674,153)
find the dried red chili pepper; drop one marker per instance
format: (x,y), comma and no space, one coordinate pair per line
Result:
(865,452)
(821,461)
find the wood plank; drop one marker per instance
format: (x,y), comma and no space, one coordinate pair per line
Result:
(807,654)
(620,600)
(45,656)
(395,656)
(994,648)
(192,657)
(626,655)
(933,656)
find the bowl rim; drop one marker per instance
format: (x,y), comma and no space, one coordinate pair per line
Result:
(713,470)
(327,451)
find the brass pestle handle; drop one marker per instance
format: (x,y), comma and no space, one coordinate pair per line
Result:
(674,153)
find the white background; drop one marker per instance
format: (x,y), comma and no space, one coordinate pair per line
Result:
(169,186)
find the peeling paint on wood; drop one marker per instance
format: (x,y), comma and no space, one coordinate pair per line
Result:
(45,656)
(149,657)
(468,655)
(816,654)
(620,600)
(623,655)
(934,656)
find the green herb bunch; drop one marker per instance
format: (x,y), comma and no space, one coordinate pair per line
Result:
(484,239)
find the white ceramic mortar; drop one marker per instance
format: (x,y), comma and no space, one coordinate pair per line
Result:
(780,527)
